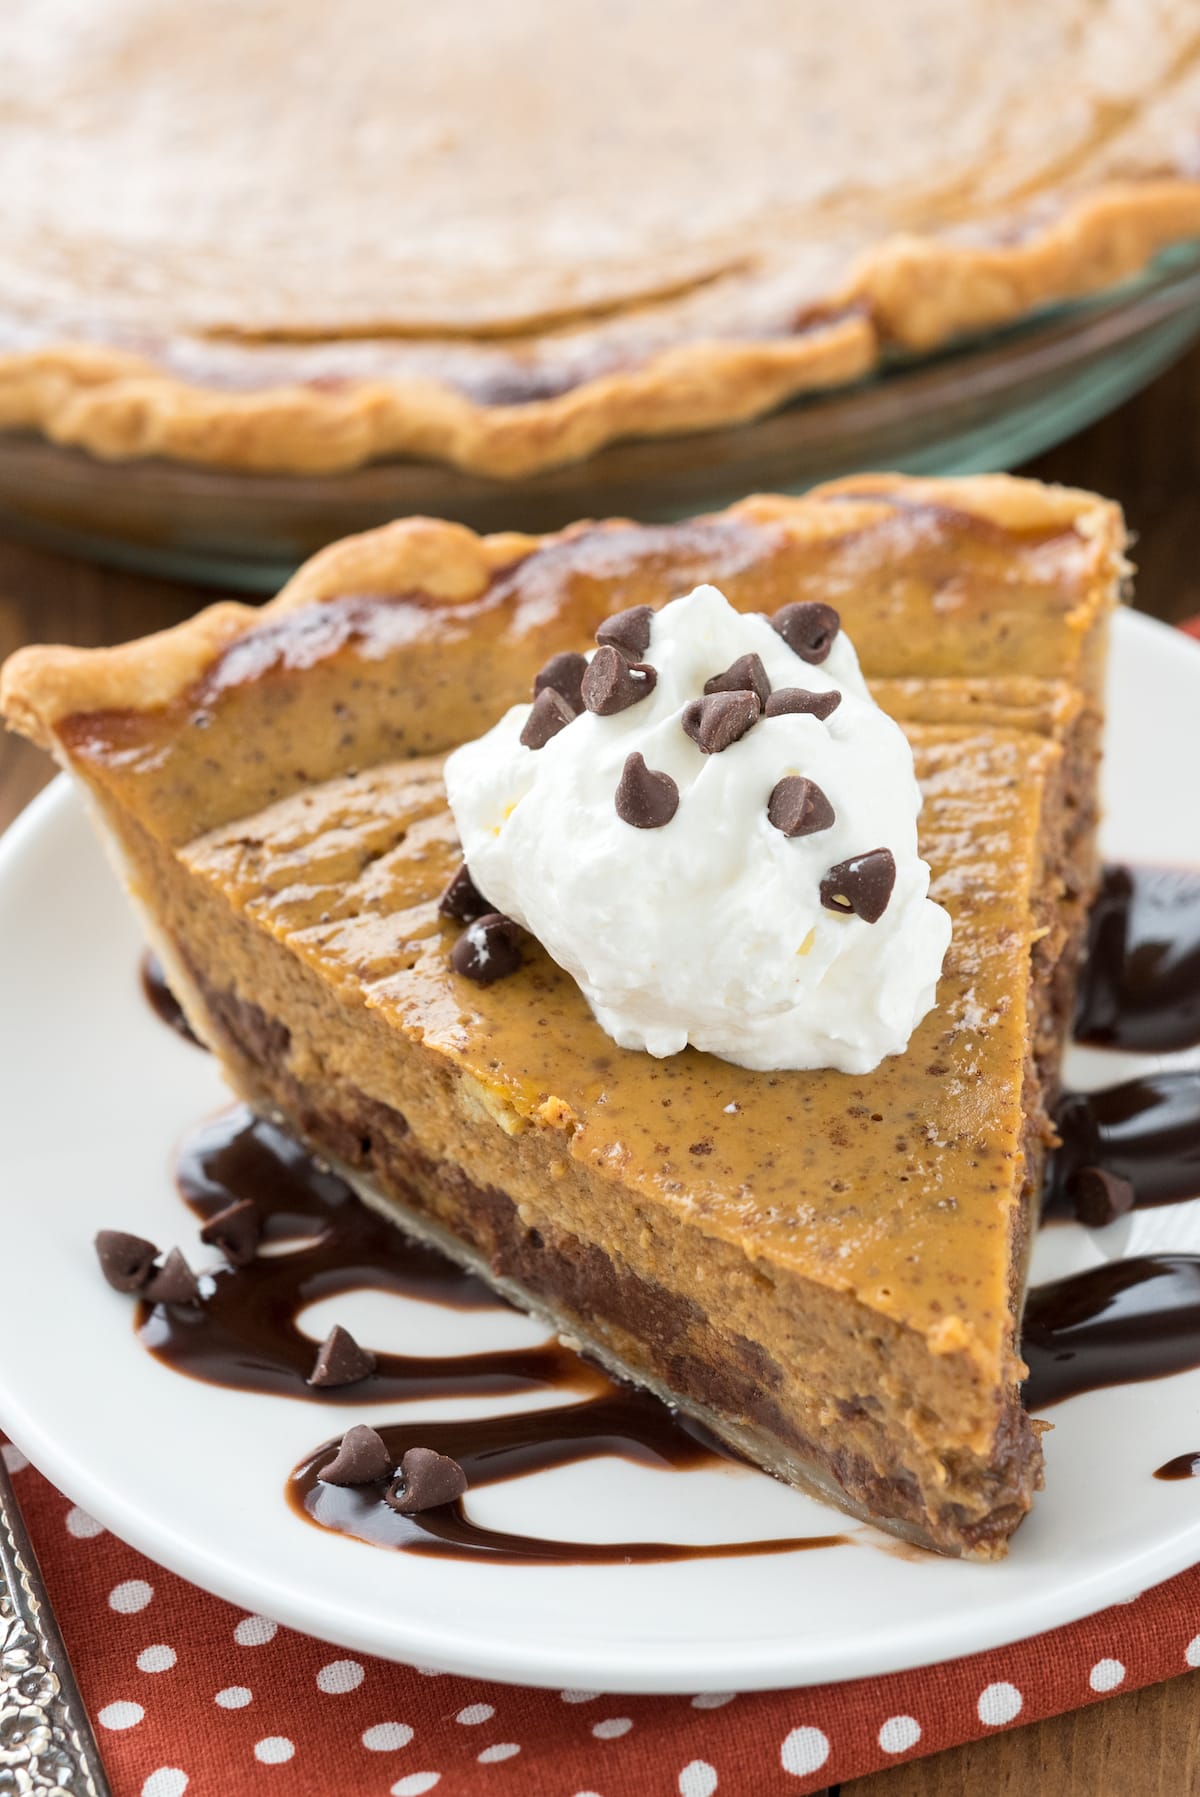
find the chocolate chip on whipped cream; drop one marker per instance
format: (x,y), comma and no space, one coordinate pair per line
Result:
(720,720)
(550,713)
(488,949)
(628,631)
(613,684)
(746,674)
(462,898)
(797,700)
(862,885)
(340,1360)
(424,1481)
(362,1458)
(563,674)
(710,931)
(127,1261)
(798,807)
(808,628)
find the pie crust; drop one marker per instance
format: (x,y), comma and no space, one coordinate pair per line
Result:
(300,238)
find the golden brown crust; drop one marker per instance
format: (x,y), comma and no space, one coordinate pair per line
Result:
(40,686)
(914,291)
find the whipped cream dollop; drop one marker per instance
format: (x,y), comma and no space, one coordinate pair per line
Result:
(738,871)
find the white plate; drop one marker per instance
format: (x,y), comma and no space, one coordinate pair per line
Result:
(96,1093)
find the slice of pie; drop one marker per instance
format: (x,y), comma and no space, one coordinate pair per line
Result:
(298,237)
(826,1268)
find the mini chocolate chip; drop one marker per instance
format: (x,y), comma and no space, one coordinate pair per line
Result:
(172,1283)
(340,1360)
(1100,1197)
(798,807)
(612,684)
(235,1231)
(462,898)
(717,722)
(862,885)
(362,1457)
(425,1480)
(549,714)
(808,628)
(628,631)
(644,798)
(126,1261)
(796,698)
(563,674)
(746,674)
(488,949)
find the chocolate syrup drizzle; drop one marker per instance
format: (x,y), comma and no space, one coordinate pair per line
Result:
(1121,1322)
(162,1000)
(247,1334)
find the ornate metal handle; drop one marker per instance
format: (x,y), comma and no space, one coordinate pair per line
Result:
(46,1741)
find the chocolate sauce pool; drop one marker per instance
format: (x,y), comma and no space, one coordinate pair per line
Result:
(1118,1323)
(247,1335)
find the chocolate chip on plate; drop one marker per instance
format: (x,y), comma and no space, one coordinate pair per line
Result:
(563,674)
(1100,1197)
(172,1283)
(612,684)
(808,628)
(340,1360)
(127,1261)
(235,1231)
(644,798)
(862,885)
(549,714)
(425,1479)
(798,807)
(796,698)
(488,949)
(628,631)
(462,898)
(361,1459)
(717,722)
(746,674)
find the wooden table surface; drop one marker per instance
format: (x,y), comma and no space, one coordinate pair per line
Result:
(1147,455)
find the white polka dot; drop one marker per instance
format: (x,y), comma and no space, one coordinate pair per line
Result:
(83,1526)
(474,1714)
(503,1750)
(121,1715)
(1106,1675)
(712,1700)
(899,1733)
(587,1794)
(272,1750)
(804,1750)
(698,1779)
(613,1729)
(130,1596)
(385,1737)
(255,1631)
(14,1459)
(1191,1652)
(416,1784)
(339,1676)
(168,1781)
(234,1697)
(999,1704)
(591,1696)
(159,1658)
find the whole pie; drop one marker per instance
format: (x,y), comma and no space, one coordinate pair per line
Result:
(825,1267)
(295,236)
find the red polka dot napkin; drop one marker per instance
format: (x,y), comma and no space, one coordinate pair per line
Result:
(191,1695)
